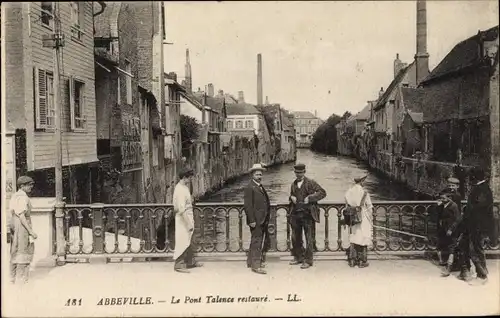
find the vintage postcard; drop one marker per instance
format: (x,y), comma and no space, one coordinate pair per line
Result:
(259,158)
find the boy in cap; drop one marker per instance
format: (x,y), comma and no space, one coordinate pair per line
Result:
(22,244)
(304,212)
(448,220)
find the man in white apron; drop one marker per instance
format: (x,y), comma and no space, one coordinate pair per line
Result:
(184,224)
(360,235)
(22,246)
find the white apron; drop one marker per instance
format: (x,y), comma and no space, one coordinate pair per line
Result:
(182,206)
(361,234)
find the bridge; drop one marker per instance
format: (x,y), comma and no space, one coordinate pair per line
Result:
(113,251)
(142,230)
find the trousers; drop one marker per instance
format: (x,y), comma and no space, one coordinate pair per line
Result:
(19,273)
(260,243)
(187,257)
(303,223)
(473,250)
(357,253)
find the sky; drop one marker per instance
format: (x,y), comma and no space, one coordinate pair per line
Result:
(328,56)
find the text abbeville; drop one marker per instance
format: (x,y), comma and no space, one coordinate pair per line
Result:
(123,301)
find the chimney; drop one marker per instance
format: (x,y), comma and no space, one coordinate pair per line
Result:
(187,71)
(421,57)
(381,92)
(267,100)
(241,97)
(259,79)
(221,93)
(211,90)
(398,66)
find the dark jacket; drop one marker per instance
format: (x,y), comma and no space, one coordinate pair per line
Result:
(256,202)
(478,214)
(449,218)
(313,191)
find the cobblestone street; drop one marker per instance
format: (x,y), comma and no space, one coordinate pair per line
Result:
(396,287)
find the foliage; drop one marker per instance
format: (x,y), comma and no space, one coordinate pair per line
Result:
(268,118)
(325,137)
(189,130)
(346,115)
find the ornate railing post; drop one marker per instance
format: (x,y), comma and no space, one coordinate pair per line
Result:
(98,233)
(60,239)
(272,229)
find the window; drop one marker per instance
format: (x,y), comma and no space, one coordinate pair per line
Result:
(239,124)
(164,33)
(47,14)
(248,124)
(119,94)
(44,102)
(229,124)
(128,69)
(77,104)
(76,17)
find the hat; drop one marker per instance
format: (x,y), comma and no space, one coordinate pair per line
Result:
(360,179)
(24,180)
(257,167)
(300,167)
(186,172)
(453,180)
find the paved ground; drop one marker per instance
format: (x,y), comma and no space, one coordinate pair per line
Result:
(390,287)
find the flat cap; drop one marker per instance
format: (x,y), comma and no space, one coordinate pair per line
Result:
(453,180)
(300,167)
(186,172)
(24,180)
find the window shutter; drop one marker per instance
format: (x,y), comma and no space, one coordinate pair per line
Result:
(72,101)
(40,98)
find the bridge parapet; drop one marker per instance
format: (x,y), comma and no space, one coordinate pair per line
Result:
(146,230)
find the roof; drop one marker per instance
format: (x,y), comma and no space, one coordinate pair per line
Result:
(413,98)
(242,109)
(215,103)
(106,23)
(395,83)
(364,114)
(303,114)
(190,98)
(463,55)
(417,117)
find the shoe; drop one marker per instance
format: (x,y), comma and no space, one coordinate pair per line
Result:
(352,263)
(263,265)
(294,262)
(478,281)
(305,266)
(195,265)
(181,270)
(363,264)
(259,271)
(445,272)
(465,276)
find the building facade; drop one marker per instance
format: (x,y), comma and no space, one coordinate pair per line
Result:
(32,89)
(306,124)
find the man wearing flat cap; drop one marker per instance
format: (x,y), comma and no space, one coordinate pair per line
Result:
(257,209)
(184,224)
(22,243)
(304,212)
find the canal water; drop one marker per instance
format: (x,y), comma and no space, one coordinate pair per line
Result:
(335,174)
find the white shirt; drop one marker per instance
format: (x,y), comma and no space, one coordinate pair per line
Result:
(299,183)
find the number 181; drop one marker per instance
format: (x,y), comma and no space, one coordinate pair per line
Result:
(74,302)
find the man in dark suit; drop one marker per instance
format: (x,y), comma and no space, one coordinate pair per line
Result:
(304,211)
(257,209)
(476,223)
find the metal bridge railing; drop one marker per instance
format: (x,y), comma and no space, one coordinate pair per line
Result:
(118,230)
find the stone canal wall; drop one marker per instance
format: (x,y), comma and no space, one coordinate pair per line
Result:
(213,172)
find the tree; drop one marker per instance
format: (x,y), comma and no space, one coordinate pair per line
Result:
(346,115)
(189,130)
(325,137)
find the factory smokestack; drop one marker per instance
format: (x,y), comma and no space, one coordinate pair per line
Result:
(259,80)
(421,57)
